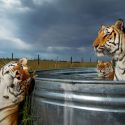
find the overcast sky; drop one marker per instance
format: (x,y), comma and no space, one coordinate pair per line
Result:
(54,28)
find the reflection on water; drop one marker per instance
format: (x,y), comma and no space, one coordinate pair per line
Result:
(72,73)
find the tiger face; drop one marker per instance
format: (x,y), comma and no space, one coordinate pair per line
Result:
(105,70)
(109,40)
(14,78)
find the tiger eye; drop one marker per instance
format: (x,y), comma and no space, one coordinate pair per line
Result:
(19,78)
(12,85)
(7,72)
(110,38)
(17,73)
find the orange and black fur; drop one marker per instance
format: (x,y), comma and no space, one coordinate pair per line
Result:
(105,70)
(110,41)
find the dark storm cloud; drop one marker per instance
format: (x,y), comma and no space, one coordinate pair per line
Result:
(62,28)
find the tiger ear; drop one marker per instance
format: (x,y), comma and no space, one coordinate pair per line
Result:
(99,61)
(102,27)
(23,61)
(119,24)
(110,62)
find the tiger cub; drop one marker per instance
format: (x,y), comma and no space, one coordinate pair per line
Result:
(105,70)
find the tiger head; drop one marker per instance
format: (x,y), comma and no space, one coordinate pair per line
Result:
(105,69)
(15,78)
(110,39)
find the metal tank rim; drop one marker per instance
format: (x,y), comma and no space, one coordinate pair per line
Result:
(82,81)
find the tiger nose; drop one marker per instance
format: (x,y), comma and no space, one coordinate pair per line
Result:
(96,46)
(96,43)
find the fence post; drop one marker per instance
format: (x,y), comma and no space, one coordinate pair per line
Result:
(56,64)
(90,59)
(71,60)
(12,56)
(82,59)
(38,59)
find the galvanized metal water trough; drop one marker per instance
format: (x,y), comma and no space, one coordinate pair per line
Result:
(78,102)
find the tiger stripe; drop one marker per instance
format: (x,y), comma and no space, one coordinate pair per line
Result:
(111,42)
(15,81)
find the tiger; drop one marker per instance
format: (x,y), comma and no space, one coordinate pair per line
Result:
(111,42)
(15,81)
(105,70)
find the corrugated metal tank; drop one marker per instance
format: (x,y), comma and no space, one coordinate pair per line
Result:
(78,102)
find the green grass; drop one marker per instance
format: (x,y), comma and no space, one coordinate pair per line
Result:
(27,116)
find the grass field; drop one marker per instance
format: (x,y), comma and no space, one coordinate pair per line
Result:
(45,65)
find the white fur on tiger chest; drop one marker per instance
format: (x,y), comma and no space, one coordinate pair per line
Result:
(120,71)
